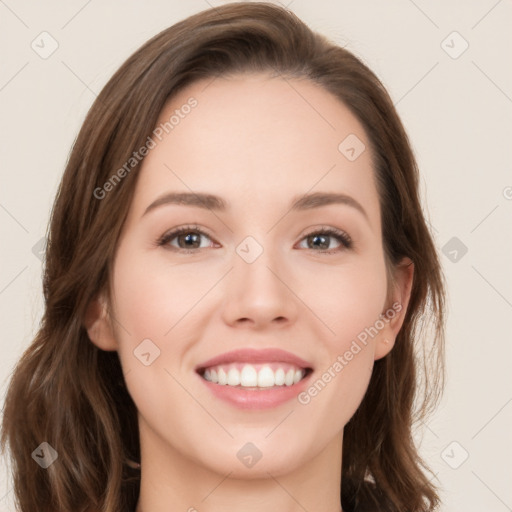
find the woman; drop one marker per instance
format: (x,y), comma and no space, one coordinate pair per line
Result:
(237,278)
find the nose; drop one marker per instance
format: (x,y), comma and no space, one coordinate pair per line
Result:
(259,294)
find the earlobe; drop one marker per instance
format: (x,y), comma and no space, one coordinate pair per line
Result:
(98,325)
(394,315)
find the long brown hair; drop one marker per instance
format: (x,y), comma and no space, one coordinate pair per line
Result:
(68,393)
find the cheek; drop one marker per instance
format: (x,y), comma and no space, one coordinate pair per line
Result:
(154,320)
(347,299)
(152,300)
(350,305)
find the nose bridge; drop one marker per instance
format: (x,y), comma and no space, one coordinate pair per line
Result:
(257,264)
(257,289)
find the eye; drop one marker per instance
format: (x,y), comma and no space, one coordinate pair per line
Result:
(322,237)
(187,237)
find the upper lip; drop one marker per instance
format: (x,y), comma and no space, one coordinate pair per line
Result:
(246,355)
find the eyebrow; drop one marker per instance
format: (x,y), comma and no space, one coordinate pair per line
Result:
(216,203)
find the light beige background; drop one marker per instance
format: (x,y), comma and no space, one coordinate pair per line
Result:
(458,113)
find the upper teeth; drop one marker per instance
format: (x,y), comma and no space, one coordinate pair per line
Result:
(254,375)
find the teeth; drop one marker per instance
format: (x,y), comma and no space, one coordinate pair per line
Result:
(254,376)
(279,377)
(223,378)
(289,377)
(249,376)
(233,377)
(266,377)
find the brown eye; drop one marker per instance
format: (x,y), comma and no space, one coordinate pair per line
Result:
(190,240)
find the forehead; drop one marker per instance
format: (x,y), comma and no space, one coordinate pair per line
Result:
(257,140)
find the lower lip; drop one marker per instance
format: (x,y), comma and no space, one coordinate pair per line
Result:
(261,398)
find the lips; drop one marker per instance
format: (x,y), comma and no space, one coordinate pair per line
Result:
(255,379)
(250,369)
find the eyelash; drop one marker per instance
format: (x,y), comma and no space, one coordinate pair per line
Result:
(341,236)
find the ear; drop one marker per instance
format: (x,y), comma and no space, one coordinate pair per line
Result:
(394,314)
(99,325)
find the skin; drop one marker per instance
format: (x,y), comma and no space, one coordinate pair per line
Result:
(257,142)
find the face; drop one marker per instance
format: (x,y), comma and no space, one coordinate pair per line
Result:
(283,271)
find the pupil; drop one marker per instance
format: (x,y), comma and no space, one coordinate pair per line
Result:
(316,237)
(188,238)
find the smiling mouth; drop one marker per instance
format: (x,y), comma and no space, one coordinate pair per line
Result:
(255,376)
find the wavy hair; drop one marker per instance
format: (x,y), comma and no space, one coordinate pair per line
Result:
(67,392)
